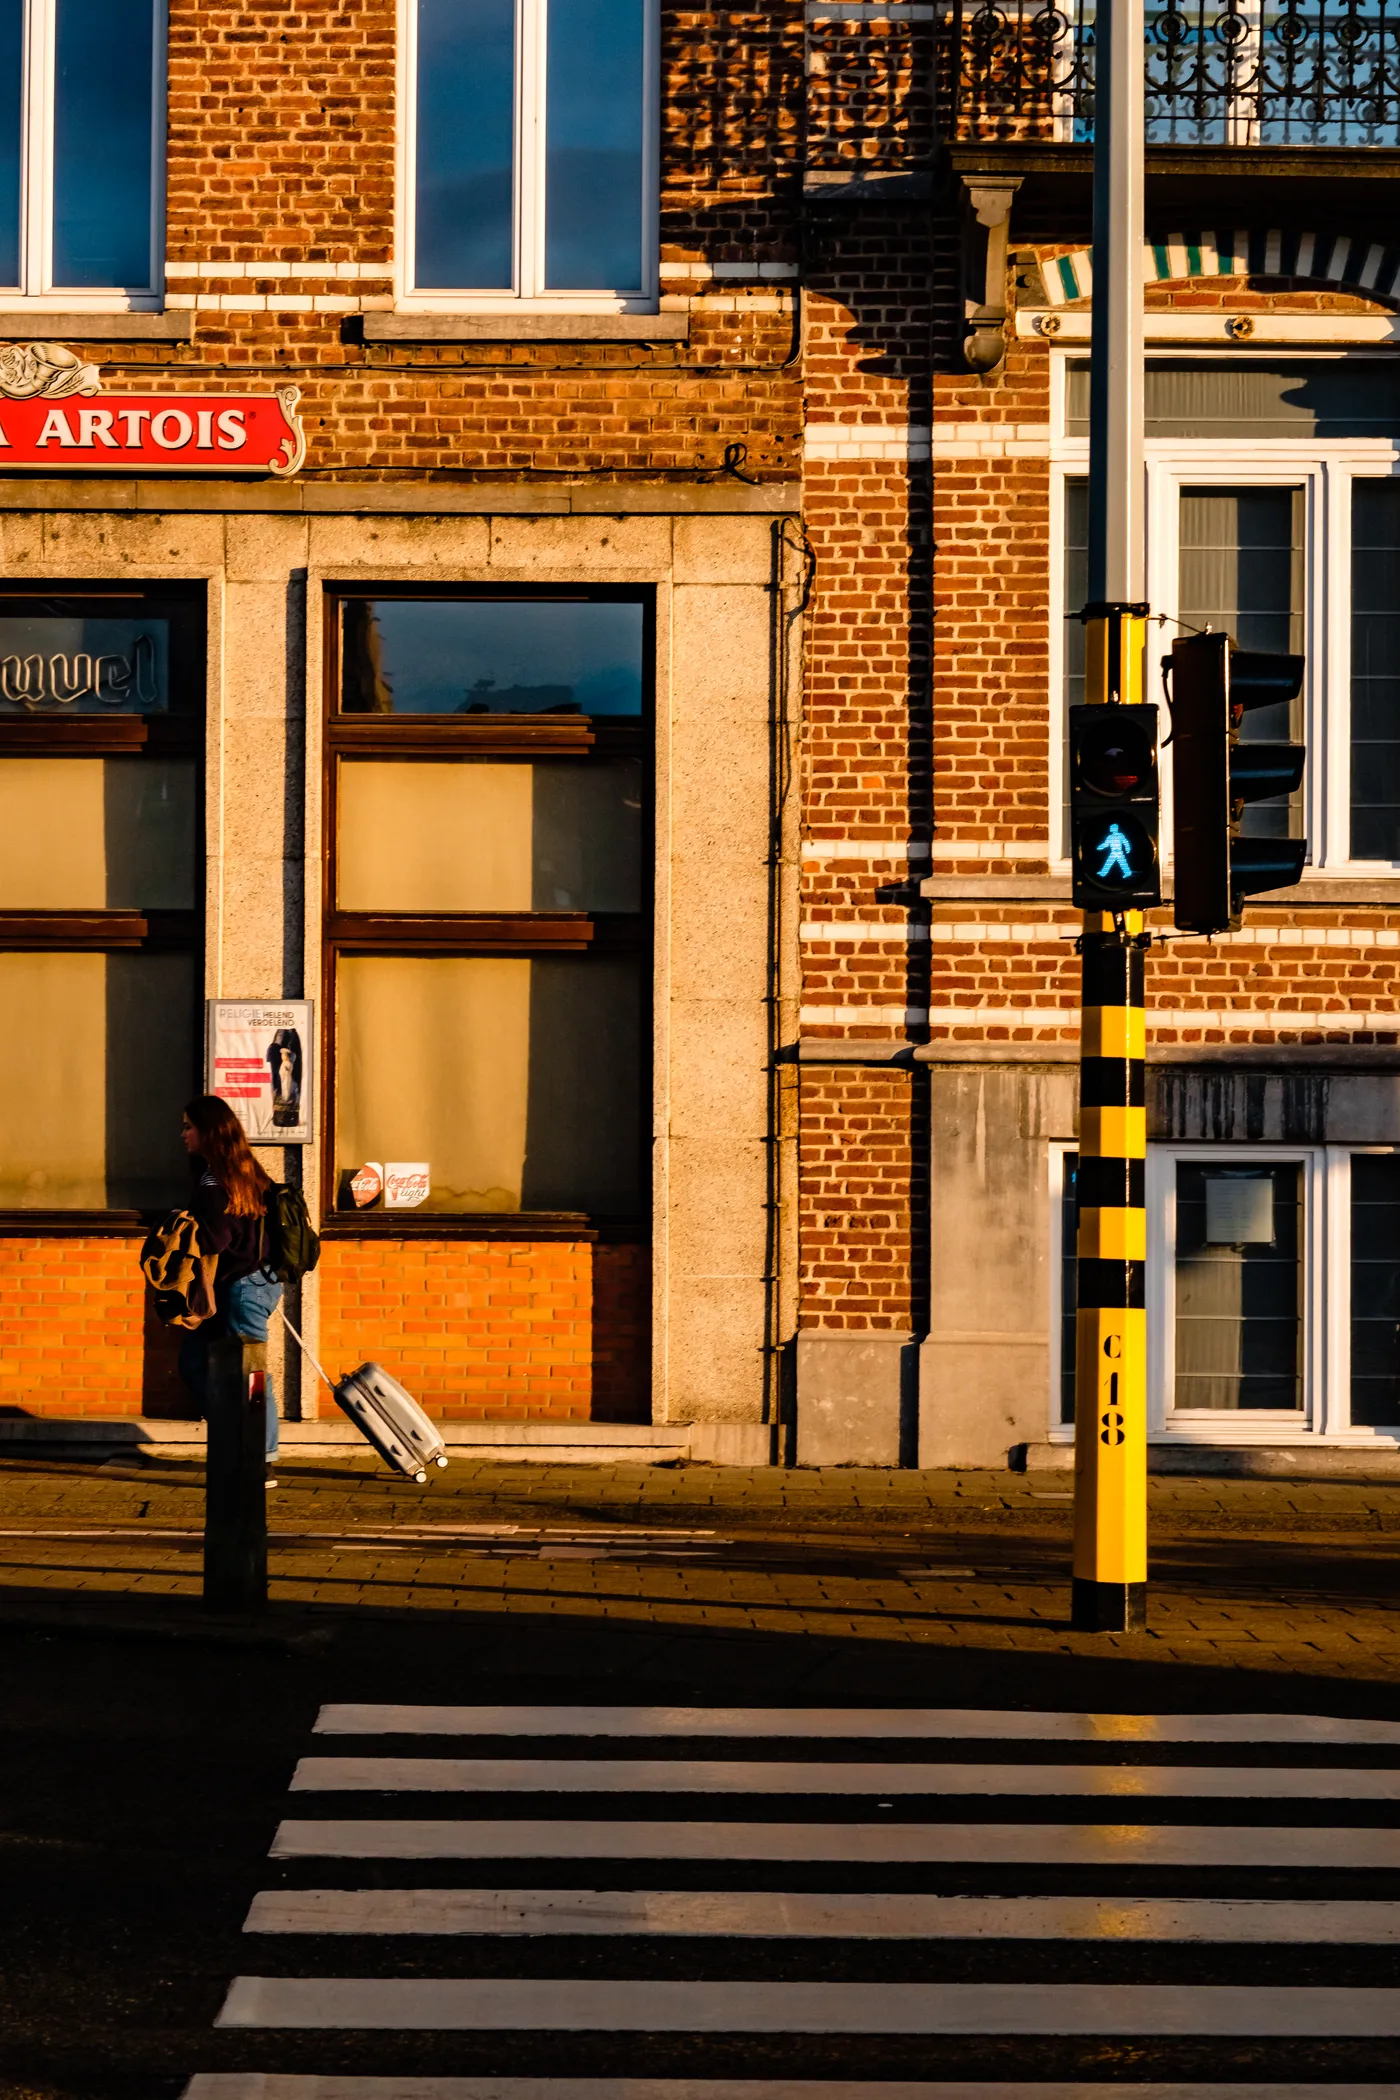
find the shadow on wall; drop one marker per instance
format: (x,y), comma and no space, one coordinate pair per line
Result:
(621,1334)
(150,1072)
(164,1395)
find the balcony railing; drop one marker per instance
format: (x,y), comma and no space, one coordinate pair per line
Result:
(1257,73)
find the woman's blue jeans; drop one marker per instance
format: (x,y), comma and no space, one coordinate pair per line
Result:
(245,1307)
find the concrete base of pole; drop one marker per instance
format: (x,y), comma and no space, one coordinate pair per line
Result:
(1108,1607)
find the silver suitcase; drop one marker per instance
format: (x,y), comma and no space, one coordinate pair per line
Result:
(383,1412)
(391,1419)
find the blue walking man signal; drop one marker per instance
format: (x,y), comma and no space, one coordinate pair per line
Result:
(1114,805)
(1116,860)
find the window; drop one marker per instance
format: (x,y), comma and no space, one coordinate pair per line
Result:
(81,114)
(1242,574)
(490,902)
(101,712)
(1274,513)
(1375,1290)
(1238,1287)
(531,162)
(1273,1292)
(1375,670)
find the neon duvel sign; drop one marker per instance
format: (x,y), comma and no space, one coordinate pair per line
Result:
(49,424)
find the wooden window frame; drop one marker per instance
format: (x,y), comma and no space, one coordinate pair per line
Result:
(175,735)
(408,739)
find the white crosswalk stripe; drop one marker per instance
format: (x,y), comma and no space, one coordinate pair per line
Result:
(868,1724)
(567,2005)
(763,1914)
(932,1844)
(736,1854)
(259,2085)
(683,1775)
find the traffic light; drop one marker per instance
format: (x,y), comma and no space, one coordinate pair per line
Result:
(1114,806)
(1217,773)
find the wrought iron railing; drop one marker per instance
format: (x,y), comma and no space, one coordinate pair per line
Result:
(1219,72)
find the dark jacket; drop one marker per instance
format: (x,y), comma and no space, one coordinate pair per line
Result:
(240,1243)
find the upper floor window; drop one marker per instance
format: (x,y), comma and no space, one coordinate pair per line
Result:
(531,164)
(81,108)
(1274,515)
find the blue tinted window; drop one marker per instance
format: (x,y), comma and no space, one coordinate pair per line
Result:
(466,145)
(594,117)
(445,656)
(102,143)
(11,91)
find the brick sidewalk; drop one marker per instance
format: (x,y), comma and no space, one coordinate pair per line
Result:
(1260,1575)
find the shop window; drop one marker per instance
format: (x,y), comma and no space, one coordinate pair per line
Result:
(1375,1290)
(531,157)
(101,714)
(81,131)
(489,912)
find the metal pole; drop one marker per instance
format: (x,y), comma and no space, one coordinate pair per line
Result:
(1110,1386)
(235,1491)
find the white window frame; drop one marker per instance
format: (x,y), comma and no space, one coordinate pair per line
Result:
(36,287)
(1251,1425)
(1325,472)
(1325,1297)
(529,196)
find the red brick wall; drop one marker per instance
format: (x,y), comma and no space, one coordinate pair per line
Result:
(484,1331)
(282,154)
(76,1332)
(858,1199)
(494,1330)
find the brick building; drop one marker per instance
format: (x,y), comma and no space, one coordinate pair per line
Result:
(633,721)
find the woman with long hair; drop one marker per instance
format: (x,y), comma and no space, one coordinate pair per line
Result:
(230,1204)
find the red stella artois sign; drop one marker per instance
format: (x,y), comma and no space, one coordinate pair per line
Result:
(48,422)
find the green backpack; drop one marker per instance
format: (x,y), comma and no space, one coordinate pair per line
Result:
(293,1248)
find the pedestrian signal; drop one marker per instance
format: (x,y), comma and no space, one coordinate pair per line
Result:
(1113,806)
(1235,772)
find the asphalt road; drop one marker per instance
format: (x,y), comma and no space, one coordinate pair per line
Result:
(147,1760)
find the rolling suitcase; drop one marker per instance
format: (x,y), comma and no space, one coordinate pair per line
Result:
(384,1413)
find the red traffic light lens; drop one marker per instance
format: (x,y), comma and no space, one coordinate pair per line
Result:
(1114,758)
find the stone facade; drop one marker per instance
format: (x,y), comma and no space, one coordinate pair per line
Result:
(863,982)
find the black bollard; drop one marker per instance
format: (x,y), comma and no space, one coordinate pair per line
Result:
(235,1496)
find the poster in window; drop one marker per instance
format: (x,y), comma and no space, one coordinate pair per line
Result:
(259,1058)
(1239,1210)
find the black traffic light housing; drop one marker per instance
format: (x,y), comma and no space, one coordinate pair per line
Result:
(1114,807)
(1214,684)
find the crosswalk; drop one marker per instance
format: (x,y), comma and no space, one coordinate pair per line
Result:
(757,1885)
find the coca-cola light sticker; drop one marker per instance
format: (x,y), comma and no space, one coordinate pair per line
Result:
(406,1183)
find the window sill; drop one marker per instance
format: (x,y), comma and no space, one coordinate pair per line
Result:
(1321,889)
(524,325)
(491,1225)
(87,327)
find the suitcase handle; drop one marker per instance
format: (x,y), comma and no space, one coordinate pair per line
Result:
(303,1348)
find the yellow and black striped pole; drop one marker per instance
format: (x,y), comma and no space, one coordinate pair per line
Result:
(1110,1382)
(1110,1414)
